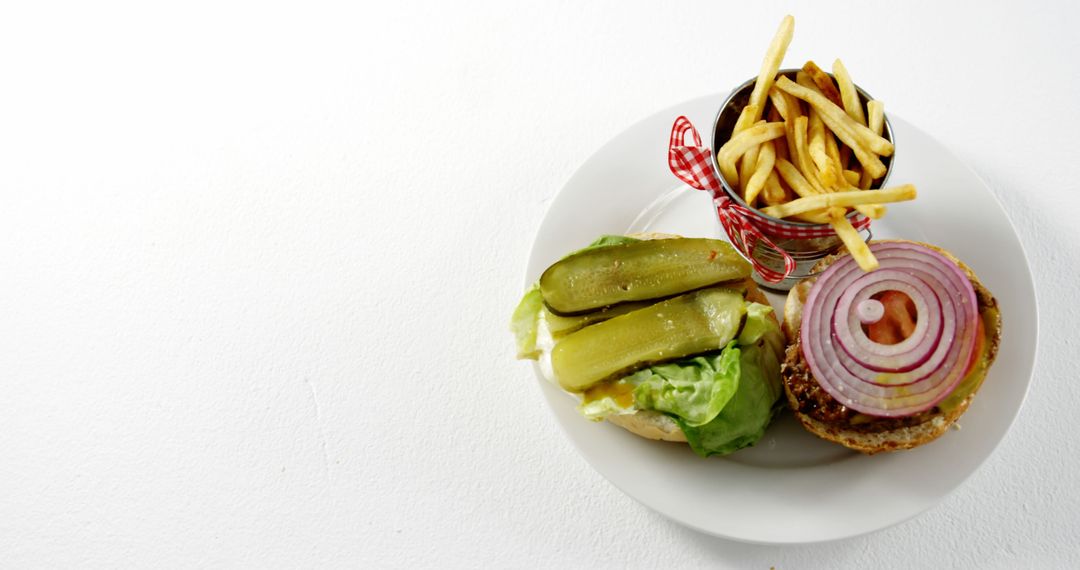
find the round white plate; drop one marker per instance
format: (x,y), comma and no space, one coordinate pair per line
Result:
(792,487)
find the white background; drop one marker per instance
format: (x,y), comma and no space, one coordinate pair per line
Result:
(256,264)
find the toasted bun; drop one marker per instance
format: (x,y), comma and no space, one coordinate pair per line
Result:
(795,370)
(654,425)
(649,425)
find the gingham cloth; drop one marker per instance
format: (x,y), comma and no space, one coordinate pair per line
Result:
(694,165)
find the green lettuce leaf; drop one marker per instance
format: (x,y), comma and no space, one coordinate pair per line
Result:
(759,326)
(695,390)
(743,420)
(526,318)
(603,241)
(525,321)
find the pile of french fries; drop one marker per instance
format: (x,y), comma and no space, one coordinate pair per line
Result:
(815,154)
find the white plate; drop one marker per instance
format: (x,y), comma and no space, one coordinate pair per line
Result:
(792,487)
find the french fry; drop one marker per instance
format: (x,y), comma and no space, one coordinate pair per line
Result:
(773,193)
(779,149)
(802,157)
(747,167)
(817,217)
(826,170)
(779,101)
(823,81)
(742,142)
(845,156)
(746,117)
(789,194)
(877,115)
(848,93)
(794,104)
(833,151)
(852,240)
(863,142)
(852,178)
(798,183)
(803,78)
(794,111)
(842,200)
(877,124)
(766,159)
(838,100)
(872,211)
(773,57)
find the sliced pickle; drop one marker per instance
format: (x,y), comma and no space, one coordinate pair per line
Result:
(688,324)
(561,325)
(638,271)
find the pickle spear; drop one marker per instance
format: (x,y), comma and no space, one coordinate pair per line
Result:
(638,271)
(560,325)
(689,324)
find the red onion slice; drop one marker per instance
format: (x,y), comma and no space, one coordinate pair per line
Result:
(899,379)
(927,308)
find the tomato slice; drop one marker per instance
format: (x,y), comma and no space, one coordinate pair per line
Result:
(898,322)
(980,340)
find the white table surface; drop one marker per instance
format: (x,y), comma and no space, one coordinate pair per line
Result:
(257,263)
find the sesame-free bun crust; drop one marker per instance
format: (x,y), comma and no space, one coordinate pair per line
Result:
(795,370)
